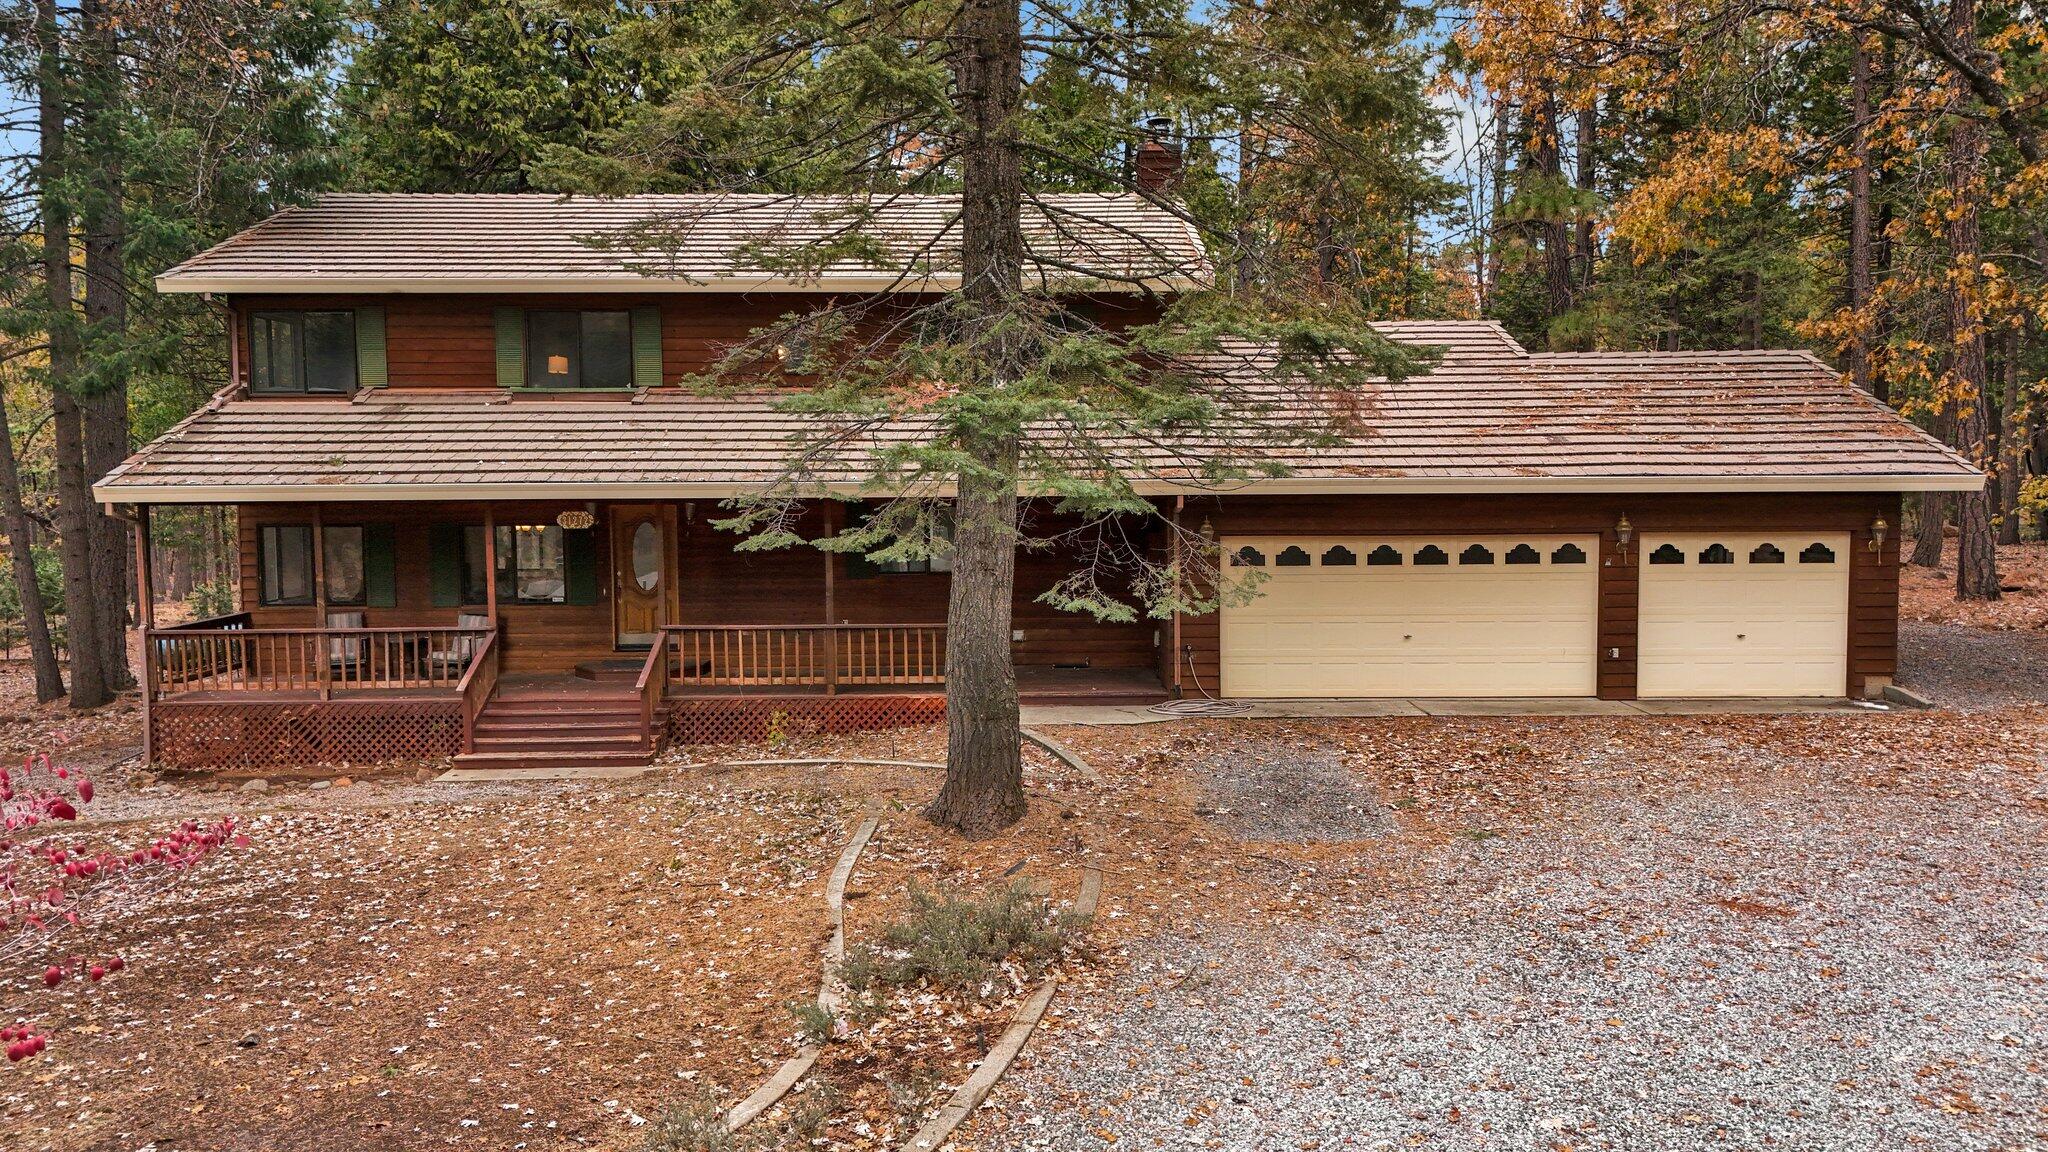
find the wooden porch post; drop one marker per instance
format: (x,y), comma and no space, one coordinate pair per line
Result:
(491,566)
(145,614)
(322,652)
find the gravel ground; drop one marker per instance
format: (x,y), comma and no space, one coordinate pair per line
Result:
(1803,961)
(1974,668)
(1298,791)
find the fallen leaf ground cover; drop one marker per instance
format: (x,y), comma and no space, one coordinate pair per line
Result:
(1928,595)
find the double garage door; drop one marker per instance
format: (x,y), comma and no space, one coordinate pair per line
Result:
(1482,616)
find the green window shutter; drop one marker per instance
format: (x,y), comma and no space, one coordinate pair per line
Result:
(579,561)
(444,556)
(373,369)
(380,565)
(511,326)
(647,347)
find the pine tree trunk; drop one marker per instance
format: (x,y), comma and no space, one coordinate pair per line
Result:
(21,535)
(106,313)
(1547,162)
(1929,530)
(75,511)
(1857,357)
(1976,551)
(984,788)
(2011,442)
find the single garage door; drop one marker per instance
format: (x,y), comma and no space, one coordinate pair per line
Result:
(1744,615)
(1414,616)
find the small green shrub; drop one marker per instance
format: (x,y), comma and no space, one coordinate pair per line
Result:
(695,1125)
(812,1021)
(955,941)
(213,598)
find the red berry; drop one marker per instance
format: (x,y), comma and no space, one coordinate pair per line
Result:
(97,972)
(53,976)
(63,810)
(85,791)
(18,1051)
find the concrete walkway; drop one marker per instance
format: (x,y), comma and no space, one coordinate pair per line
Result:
(1531,706)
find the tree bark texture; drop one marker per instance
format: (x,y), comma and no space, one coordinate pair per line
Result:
(2012,456)
(1554,229)
(105,403)
(75,511)
(1587,156)
(984,788)
(21,552)
(1857,357)
(1976,550)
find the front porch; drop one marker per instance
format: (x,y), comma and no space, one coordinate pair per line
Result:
(574,632)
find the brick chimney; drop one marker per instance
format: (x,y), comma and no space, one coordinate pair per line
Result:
(1158,163)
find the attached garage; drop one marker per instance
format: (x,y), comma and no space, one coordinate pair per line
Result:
(1734,614)
(1413,616)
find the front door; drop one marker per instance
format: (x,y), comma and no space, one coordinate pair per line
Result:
(639,573)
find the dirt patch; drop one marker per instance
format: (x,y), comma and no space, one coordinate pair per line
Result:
(1301,790)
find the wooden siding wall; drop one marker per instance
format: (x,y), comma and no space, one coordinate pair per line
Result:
(443,341)
(714,585)
(1873,576)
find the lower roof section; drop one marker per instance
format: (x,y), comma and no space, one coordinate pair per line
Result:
(1487,418)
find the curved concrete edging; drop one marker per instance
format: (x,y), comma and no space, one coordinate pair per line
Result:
(1066,755)
(822,762)
(1023,1023)
(830,995)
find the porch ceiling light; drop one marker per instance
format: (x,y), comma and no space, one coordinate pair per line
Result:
(575,518)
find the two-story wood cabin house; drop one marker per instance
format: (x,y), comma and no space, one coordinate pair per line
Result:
(475,509)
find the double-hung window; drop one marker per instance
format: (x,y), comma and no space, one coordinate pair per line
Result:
(302,353)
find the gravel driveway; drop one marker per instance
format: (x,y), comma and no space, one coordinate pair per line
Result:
(1805,959)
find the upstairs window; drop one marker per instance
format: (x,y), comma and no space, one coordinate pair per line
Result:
(302,353)
(579,349)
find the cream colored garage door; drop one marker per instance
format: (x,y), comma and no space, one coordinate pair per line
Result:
(1726,614)
(1414,616)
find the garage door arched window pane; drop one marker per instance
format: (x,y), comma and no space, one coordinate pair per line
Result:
(1766,554)
(1667,554)
(1248,558)
(1384,556)
(1523,554)
(1817,553)
(1292,556)
(1431,554)
(1716,554)
(1568,554)
(1340,557)
(1475,554)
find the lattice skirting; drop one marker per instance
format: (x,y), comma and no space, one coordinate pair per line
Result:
(265,734)
(752,719)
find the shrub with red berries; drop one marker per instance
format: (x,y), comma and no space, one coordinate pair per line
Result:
(48,885)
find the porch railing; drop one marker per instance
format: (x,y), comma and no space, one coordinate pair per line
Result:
(234,657)
(651,686)
(479,682)
(828,656)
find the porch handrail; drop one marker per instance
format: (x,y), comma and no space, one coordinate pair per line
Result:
(831,656)
(651,686)
(479,682)
(240,659)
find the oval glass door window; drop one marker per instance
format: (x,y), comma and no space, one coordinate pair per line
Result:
(647,555)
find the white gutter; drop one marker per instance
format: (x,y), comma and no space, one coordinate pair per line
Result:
(120,492)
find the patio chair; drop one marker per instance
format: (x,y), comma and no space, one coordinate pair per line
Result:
(452,654)
(345,653)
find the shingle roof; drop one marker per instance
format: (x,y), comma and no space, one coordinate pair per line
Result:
(390,242)
(1488,417)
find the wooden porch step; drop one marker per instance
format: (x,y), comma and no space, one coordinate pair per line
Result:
(537,725)
(566,706)
(587,759)
(555,742)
